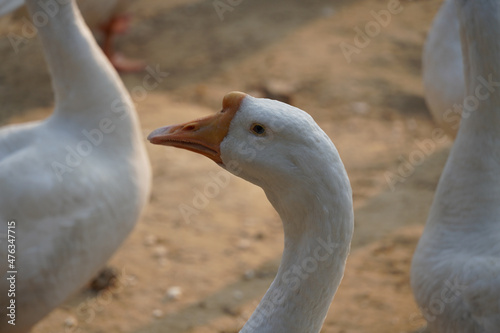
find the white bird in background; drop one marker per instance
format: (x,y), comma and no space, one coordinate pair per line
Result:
(443,70)
(281,149)
(455,272)
(108,18)
(74,184)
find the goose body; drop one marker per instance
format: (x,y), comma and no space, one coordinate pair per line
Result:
(455,272)
(281,149)
(75,183)
(443,70)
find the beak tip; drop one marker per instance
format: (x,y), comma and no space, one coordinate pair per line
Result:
(151,136)
(156,133)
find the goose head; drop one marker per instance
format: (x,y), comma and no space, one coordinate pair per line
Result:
(281,149)
(272,144)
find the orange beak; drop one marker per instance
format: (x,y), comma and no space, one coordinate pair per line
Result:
(204,135)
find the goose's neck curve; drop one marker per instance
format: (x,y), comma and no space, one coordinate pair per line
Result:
(318,225)
(479,27)
(82,77)
(466,196)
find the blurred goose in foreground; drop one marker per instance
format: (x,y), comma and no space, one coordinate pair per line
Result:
(106,17)
(281,149)
(455,272)
(443,70)
(74,184)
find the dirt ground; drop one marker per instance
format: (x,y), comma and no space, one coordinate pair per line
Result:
(206,273)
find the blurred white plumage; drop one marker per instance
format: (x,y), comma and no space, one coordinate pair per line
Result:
(75,183)
(455,272)
(443,70)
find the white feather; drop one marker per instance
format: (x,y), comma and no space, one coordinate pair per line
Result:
(443,70)
(72,210)
(456,268)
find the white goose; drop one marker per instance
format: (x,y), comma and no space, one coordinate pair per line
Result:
(75,183)
(281,149)
(110,17)
(443,70)
(455,273)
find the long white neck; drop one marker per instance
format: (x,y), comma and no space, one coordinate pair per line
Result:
(480,31)
(83,79)
(318,226)
(469,187)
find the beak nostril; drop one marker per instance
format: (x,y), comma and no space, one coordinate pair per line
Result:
(189,127)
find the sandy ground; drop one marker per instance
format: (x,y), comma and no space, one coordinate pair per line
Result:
(223,258)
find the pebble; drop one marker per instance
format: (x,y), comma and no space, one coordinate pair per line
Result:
(238,295)
(243,244)
(160,251)
(150,240)
(174,293)
(360,107)
(131,280)
(157,313)
(70,322)
(249,275)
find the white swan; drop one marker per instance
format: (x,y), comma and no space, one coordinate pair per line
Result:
(281,149)
(75,183)
(443,71)
(455,272)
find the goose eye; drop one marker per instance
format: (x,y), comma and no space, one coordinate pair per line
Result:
(258,129)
